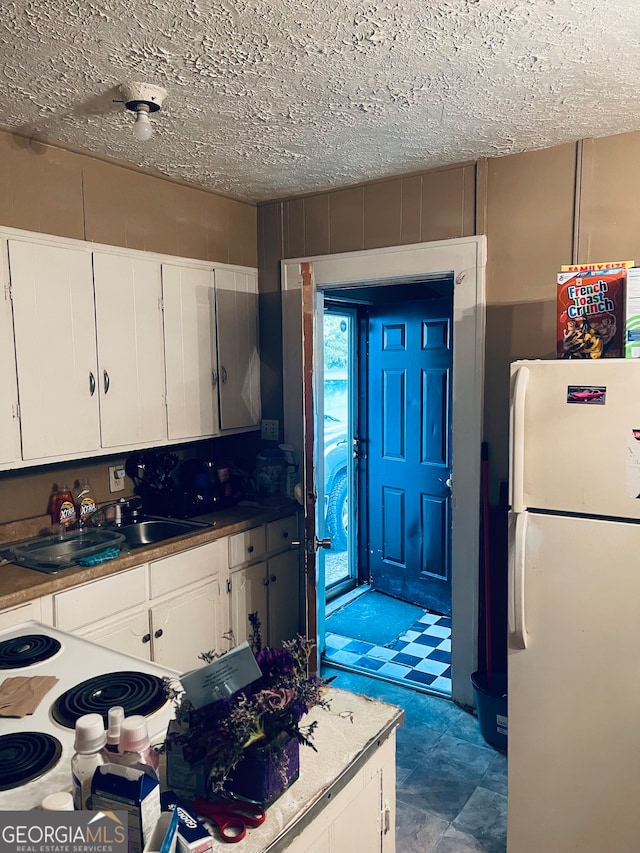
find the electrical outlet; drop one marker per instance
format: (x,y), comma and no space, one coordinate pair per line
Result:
(116,478)
(270,430)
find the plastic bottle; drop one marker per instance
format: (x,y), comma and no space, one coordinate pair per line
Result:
(85,502)
(63,508)
(134,742)
(89,745)
(292,470)
(114,724)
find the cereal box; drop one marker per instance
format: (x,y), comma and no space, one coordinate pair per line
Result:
(591,310)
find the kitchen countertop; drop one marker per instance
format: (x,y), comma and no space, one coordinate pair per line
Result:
(19,584)
(347,736)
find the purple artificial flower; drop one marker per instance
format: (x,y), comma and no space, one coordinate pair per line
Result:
(274,662)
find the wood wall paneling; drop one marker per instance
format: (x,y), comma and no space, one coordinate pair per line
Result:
(316,225)
(382,214)
(294,227)
(243,228)
(346,220)
(610,189)
(411,214)
(448,204)
(41,187)
(530,208)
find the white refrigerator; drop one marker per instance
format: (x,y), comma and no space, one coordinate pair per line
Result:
(574,607)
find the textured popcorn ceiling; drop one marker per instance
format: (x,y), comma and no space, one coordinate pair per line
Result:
(269,98)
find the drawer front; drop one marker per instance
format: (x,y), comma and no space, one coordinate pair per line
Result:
(281,533)
(180,570)
(246,547)
(22,613)
(100,599)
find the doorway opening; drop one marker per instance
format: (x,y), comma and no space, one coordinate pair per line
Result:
(383,425)
(303,280)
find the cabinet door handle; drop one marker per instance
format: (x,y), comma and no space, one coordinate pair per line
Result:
(92,384)
(146,638)
(274,578)
(223,374)
(107,382)
(228,586)
(158,633)
(266,582)
(250,549)
(285,534)
(214,378)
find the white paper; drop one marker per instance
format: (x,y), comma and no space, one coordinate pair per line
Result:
(217,680)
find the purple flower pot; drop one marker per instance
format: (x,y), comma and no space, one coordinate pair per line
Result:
(265,772)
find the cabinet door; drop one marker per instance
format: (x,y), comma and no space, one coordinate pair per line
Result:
(9,421)
(248,595)
(238,355)
(284,597)
(190,352)
(128,296)
(129,635)
(186,626)
(52,292)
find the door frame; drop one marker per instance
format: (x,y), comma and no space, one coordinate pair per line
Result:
(465,259)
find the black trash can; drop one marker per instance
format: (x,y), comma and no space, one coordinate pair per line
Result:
(491,704)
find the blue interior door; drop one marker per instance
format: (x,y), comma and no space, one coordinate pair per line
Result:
(409,451)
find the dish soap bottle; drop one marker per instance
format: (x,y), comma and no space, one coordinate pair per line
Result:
(63,508)
(85,502)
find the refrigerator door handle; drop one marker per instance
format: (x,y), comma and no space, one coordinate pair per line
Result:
(517,622)
(521,382)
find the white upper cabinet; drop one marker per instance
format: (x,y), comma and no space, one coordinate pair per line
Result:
(238,354)
(9,420)
(190,351)
(128,298)
(52,294)
(104,348)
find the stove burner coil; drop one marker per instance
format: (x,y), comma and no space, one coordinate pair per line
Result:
(25,756)
(27,650)
(137,692)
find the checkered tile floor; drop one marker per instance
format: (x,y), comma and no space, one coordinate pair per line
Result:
(420,658)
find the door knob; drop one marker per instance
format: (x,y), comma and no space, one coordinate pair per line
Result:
(449,482)
(323,543)
(312,546)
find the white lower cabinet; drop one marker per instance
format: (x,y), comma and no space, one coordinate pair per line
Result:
(271,586)
(360,818)
(129,634)
(186,625)
(168,611)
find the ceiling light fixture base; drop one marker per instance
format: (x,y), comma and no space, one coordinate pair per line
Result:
(135,95)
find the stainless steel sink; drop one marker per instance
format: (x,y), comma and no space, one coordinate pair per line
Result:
(150,531)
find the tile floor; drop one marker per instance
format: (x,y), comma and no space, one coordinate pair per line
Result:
(421,656)
(451,785)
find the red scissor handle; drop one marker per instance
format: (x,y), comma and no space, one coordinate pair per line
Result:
(232,819)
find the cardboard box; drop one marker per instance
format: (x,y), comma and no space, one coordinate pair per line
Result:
(134,789)
(632,314)
(591,312)
(159,842)
(193,835)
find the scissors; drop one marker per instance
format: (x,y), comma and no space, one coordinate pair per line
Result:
(231,818)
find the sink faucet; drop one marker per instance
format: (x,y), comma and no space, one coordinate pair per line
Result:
(118,507)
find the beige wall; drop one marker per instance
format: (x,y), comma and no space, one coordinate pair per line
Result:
(55,191)
(539,210)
